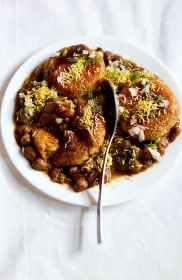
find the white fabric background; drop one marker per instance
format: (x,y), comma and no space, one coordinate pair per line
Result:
(41,238)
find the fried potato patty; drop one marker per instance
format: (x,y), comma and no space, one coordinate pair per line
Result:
(45,142)
(77,70)
(73,152)
(148,112)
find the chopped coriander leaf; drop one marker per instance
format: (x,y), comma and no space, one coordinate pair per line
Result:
(159,98)
(136,76)
(116,76)
(152,145)
(73,59)
(127,64)
(125,113)
(87,60)
(147,75)
(127,156)
(93,60)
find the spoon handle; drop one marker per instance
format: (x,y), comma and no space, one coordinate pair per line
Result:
(112,120)
(99,204)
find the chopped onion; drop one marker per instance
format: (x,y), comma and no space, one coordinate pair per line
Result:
(134,130)
(91,55)
(121,109)
(84,52)
(100,53)
(59,79)
(133,91)
(115,64)
(76,54)
(144,81)
(146,89)
(141,135)
(155,154)
(58,120)
(21,95)
(137,131)
(122,67)
(164,103)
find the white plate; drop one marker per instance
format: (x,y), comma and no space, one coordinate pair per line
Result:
(121,189)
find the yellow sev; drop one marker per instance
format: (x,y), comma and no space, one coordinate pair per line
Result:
(73,72)
(145,109)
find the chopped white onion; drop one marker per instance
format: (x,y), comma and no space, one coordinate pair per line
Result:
(155,154)
(121,109)
(100,53)
(122,67)
(28,102)
(146,89)
(164,103)
(91,55)
(75,54)
(59,79)
(137,131)
(144,81)
(141,136)
(84,52)
(115,64)
(133,91)
(58,120)
(21,95)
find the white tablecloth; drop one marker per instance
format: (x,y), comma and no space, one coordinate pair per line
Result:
(41,238)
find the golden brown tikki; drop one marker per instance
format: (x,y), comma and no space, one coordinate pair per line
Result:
(76,70)
(88,138)
(148,108)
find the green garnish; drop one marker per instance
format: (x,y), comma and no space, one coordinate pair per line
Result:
(115,76)
(153,144)
(135,76)
(125,113)
(94,60)
(127,156)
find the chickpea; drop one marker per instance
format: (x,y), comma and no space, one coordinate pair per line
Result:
(40,164)
(80,185)
(29,152)
(73,170)
(24,129)
(92,179)
(25,139)
(54,173)
(23,119)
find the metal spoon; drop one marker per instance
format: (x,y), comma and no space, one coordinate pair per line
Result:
(111,120)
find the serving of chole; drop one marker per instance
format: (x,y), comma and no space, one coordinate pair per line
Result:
(61,117)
